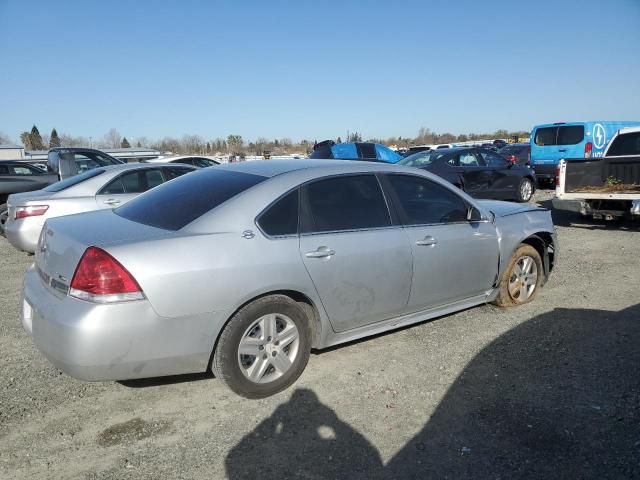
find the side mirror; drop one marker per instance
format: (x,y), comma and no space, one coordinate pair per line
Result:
(473,214)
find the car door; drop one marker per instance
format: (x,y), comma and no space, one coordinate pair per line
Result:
(359,262)
(503,177)
(453,258)
(475,176)
(127,186)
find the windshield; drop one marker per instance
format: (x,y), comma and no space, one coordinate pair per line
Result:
(421,159)
(71,181)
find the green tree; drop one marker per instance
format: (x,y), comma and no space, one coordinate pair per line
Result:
(125,143)
(235,143)
(35,139)
(25,138)
(338,140)
(54,140)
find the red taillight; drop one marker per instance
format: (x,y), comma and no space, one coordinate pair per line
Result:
(30,211)
(101,278)
(588,148)
(513,159)
(558,175)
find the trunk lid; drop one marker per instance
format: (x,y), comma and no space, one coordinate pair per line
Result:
(64,240)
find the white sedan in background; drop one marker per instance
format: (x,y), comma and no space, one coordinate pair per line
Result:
(199,161)
(97,189)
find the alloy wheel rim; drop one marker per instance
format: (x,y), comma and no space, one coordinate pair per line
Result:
(526,190)
(523,279)
(268,348)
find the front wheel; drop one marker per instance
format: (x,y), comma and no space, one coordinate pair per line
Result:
(526,190)
(522,278)
(264,348)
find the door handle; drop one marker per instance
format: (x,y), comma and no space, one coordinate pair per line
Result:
(562,149)
(427,241)
(321,252)
(112,201)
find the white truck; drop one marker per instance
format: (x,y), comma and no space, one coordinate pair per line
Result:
(603,188)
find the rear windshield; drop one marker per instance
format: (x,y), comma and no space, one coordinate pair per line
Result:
(179,202)
(625,145)
(71,181)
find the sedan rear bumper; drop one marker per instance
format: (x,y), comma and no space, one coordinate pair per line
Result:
(114,342)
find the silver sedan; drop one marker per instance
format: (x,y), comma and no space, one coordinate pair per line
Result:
(244,268)
(100,188)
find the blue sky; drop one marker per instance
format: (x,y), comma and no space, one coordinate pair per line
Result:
(314,70)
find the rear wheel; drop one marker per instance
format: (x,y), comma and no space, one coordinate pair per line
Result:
(522,278)
(4,214)
(264,348)
(526,190)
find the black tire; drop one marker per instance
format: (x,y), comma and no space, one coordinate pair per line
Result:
(225,363)
(4,212)
(505,298)
(526,189)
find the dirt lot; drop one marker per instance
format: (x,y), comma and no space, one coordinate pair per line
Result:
(548,390)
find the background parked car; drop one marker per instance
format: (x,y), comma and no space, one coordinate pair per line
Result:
(95,189)
(16,177)
(372,152)
(67,162)
(198,161)
(245,267)
(517,153)
(479,172)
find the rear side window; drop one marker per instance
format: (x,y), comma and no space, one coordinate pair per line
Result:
(570,135)
(133,182)
(174,172)
(71,181)
(343,203)
(4,170)
(281,218)
(423,202)
(625,145)
(546,136)
(183,200)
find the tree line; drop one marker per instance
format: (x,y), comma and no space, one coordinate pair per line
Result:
(235,144)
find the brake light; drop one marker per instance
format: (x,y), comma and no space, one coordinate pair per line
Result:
(558,175)
(588,147)
(30,211)
(101,278)
(513,159)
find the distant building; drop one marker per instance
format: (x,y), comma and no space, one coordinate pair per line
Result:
(11,152)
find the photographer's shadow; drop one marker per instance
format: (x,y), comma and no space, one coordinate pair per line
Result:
(303,439)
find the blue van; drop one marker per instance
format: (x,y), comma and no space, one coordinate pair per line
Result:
(552,142)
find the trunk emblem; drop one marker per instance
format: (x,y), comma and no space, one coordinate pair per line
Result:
(248,234)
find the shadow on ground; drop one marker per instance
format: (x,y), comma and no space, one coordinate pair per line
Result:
(556,397)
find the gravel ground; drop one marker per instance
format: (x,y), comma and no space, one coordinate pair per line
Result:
(549,389)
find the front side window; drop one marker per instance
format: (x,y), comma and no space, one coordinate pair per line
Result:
(546,136)
(493,159)
(23,170)
(281,218)
(352,202)
(423,202)
(570,135)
